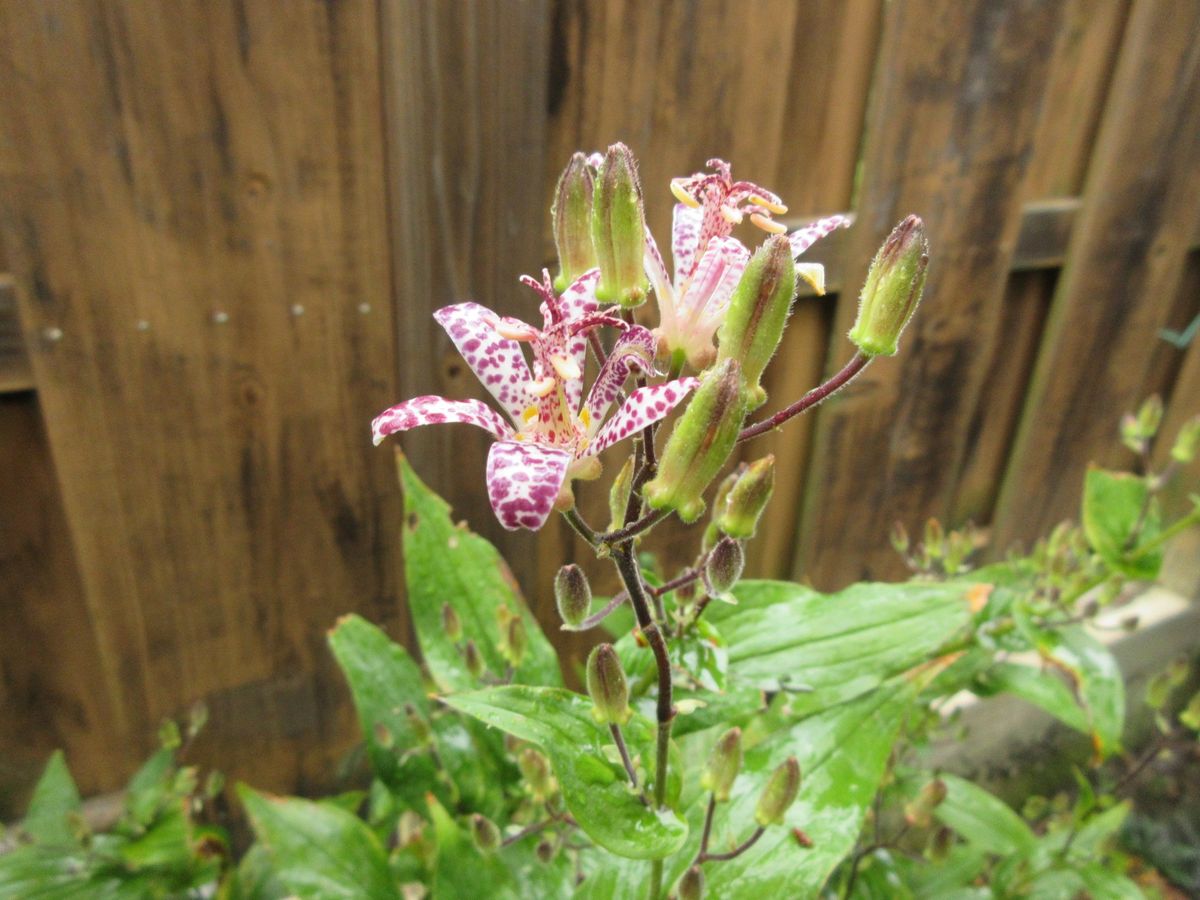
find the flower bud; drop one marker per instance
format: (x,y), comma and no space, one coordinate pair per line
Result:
(919,812)
(724,566)
(545,851)
(473,660)
(572,216)
(723,765)
(700,443)
(619,230)
(1149,417)
(618,495)
(485,832)
(573,595)
(451,623)
(779,794)
(758,310)
(516,641)
(691,885)
(802,839)
(535,769)
(892,289)
(746,499)
(419,724)
(1187,442)
(410,828)
(607,687)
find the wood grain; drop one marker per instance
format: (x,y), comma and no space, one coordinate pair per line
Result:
(1140,206)
(968,77)
(15,372)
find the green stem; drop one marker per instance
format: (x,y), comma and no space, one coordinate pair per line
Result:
(1162,537)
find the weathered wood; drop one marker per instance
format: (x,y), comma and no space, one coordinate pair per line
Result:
(968,78)
(1141,204)
(15,373)
(203,220)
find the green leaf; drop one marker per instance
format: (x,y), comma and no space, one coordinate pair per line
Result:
(254,878)
(594,786)
(1097,681)
(1037,687)
(54,798)
(150,787)
(984,820)
(1112,512)
(319,851)
(443,564)
(49,873)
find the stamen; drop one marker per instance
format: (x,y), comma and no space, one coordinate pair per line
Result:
(514,330)
(778,208)
(542,387)
(566,368)
(731,215)
(530,413)
(768,224)
(682,195)
(812,274)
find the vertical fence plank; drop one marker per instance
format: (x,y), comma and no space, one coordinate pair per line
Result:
(1140,208)
(954,101)
(202,220)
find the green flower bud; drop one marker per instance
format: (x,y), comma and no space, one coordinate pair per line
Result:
(723,765)
(737,512)
(473,660)
(485,832)
(516,641)
(892,289)
(573,595)
(607,686)
(572,216)
(619,230)
(618,495)
(419,724)
(1187,442)
(691,885)
(1149,417)
(451,623)
(535,769)
(700,443)
(724,566)
(919,812)
(758,311)
(779,794)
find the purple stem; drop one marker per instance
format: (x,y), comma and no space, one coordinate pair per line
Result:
(857,363)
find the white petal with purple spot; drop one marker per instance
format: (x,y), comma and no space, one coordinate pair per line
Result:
(803,238)
(645,406)
(685,235)
(429,410)
(634,349)
(496,361)
(523,479)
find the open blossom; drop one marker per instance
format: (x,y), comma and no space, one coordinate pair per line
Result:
(709,262)
(552,434)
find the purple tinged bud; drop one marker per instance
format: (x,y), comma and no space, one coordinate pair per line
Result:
(738,510)
(691,885)
(758,311)
(892,289)
(451,623)
(724,566)
(723,765)
(919,812)
(700,443)
(572,217)
(545,851)
(619,230)
(485,832)
(535,769)
(779,794)
(607,686)
(516,641)
(472,659)
(573,595)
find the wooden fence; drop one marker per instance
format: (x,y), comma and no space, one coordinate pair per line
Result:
(227,224)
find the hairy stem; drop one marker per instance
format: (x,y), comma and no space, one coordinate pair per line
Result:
(581,527)
(619,740)
(645,523)
(857,363)
(738,850)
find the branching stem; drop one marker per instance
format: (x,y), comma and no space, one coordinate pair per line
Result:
(857,363)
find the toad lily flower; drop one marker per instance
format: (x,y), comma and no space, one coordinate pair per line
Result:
(709,262)
(552,434)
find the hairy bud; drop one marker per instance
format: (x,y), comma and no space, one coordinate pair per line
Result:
(573,595)
(619,230)
(516,641)
(738,509)
(779,794)
(700,443)
(451,623)
(1187,442)
(892,289)
(723,765)
(691,885)
(919,812)
(724,566)
(535,769)
(485,833)
(618,495)
(607,686)
(572,216)
(758,311)
(473,660)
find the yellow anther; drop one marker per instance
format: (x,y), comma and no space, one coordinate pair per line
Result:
(585,417)
(731,215)
(768,225)
(778,208)
(566,368)
(812,274)
(542,387)
(682,195)
(514,331)
(530,413)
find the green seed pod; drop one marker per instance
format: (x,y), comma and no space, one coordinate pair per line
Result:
(572,216)
(607,686)
(738,511)
(758,311)
(723,765)
(485,832)
(619,230)
(724,566)
(535,769)
(700,443)
(779,794)
(573,595)
(516,641)
(892,289)
(618,495)
(691,885)
(451,623)
(1187,442)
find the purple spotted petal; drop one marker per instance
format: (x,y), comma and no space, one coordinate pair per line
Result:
(655,268)
(685,235)
(578,301)
(711,285)
(496,361)
(523,479)
(634,349)
(645,406)
(803,238)
(430,410)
